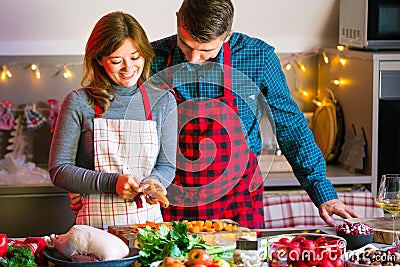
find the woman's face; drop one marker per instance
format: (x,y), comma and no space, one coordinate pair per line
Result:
(125,65)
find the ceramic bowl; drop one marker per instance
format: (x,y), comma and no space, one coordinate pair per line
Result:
(356,241)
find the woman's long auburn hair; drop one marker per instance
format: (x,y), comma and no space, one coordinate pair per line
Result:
(107,36)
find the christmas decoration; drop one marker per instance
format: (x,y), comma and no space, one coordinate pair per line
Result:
(17,144)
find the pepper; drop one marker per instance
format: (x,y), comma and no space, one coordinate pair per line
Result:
(3,245)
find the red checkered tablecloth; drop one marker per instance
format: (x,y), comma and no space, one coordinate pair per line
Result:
(295,209)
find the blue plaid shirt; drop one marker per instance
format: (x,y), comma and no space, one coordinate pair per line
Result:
(256,75)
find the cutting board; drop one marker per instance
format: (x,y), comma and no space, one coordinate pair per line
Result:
(213,239)
(383,228)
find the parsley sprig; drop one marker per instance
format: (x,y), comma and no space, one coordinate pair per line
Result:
(165,242)
(18,256)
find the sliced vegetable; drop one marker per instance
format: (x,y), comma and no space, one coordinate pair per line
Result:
(155,245)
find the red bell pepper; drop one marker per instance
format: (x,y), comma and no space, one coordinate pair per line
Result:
(3,245)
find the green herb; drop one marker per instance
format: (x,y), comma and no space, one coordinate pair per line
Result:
(155,245)
(18,256)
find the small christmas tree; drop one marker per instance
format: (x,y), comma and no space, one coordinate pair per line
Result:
(17,144)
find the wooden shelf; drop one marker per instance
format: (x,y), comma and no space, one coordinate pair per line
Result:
(336,174)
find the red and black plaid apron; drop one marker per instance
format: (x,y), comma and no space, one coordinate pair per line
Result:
(217,175)
(126,147)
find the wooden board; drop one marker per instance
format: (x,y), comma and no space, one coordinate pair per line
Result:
(213,239)
(383,228)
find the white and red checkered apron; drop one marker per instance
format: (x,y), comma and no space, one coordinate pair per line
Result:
(217,174)
(126,147)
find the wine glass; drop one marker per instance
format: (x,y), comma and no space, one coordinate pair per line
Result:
(388,197)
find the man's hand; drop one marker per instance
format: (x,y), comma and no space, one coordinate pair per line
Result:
(335,206)
(76,202)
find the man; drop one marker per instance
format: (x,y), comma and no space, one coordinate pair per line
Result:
(204,35)
(217,172)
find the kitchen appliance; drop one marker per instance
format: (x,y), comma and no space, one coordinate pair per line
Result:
(389,118)
(370,24)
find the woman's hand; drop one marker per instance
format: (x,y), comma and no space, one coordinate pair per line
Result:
(76,202)
(128,186)
(155,188)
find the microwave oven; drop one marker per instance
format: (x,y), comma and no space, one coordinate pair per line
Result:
(370,24)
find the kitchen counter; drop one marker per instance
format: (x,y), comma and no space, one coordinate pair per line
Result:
(34,210)
(43,188)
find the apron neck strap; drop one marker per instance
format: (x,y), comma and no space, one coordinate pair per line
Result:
(227,71)
(146,103)
(97,110)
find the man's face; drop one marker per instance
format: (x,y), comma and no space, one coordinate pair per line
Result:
(197,52)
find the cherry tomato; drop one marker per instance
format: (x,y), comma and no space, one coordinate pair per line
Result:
(300,264)
(312,257)
(309,245)
(325,263)
(338,263)
(321,240)
(299,238)
(284,241)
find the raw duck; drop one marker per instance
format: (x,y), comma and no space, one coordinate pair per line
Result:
(87,243)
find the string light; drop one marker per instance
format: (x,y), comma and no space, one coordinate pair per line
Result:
(35,70)
(326,59)
(317,102)
(288,66)
(5,73)
(342,61)
(340,48)
(67,73)
(303,92)
(301,66)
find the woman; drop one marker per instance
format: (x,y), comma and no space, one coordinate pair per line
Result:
(115,135)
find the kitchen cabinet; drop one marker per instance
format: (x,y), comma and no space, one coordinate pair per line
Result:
(34,210)
(354,77)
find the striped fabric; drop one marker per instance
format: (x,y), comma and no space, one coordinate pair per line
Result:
(297,210)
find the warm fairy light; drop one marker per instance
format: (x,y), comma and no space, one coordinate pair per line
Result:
(301,66)
(326,59)
(66,72)
(303,92)
(288,66)
(5,73)
(342,61)
(340,48)
(338,82)
(36,71)
(317,102)
(37,74)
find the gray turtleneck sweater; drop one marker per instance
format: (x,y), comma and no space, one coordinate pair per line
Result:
(71,160)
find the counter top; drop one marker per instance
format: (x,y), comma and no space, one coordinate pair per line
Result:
(24,189)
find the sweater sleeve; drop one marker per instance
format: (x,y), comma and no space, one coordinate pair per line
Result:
(71,152)
(164,170)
